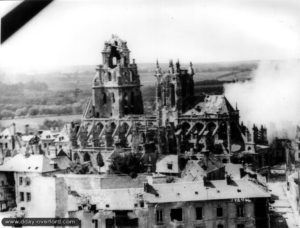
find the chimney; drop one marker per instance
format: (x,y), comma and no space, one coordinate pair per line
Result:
(242,172)
(13,138)
(205,181)
(27,129)
(228,179)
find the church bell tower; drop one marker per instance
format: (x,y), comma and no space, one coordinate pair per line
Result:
(116,85)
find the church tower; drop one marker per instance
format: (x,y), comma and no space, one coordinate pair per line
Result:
(174,92)
(116,85)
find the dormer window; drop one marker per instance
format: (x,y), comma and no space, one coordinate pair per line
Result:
(170,166)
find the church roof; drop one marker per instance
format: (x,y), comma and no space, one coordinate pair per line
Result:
(211,105)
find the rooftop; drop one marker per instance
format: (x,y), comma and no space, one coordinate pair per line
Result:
(34,163)
(196,191)
(211,105)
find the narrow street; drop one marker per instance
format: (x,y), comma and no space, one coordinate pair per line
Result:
(282,205)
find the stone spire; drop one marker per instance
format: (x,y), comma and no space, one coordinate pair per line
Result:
(171,67)
(191,69)
(158,69)
(177,66)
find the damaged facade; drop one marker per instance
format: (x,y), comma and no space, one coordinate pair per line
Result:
(182,124)
(187,145)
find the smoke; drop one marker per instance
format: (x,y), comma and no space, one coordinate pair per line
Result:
(271,98)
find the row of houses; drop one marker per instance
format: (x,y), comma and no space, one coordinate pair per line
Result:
(39,186)
(47,142)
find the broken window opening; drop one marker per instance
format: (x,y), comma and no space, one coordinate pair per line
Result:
(240,210)
(176,214)
(131,76)
(132,99)
(104,98)
(199,215)
(114,61)
(219,212)
(159,216)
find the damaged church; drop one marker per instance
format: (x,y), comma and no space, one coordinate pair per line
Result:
(182,124)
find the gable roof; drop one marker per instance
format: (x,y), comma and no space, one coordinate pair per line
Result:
(164,161)
(197,169)
(36,163)
(6,134)
(47,135)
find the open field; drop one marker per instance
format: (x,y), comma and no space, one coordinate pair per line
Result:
(65,91)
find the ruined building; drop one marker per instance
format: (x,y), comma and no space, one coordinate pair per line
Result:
(182,124)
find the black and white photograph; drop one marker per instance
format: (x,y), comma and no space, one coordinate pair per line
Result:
(150,113)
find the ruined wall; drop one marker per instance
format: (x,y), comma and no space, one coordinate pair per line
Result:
(61,194)
(43,196)
(209,213)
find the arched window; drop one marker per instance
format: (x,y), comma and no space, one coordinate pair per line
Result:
(113,97)
(125,61)
(100,161)
(86,157)
(131,76)
(104,98)
(125,103)
(109,76)
(172,95)
(76,158)
(132,98)
(113,127)
(114,61)
(115,76)
(8,153)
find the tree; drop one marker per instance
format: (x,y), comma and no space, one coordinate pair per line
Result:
(21,111)
(130,164)
(48,124)
(7,113)
(33,111)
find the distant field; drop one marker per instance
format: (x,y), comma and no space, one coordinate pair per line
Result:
(63,93)
(35,122)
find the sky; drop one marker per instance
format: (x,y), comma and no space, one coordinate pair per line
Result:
(70,32)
